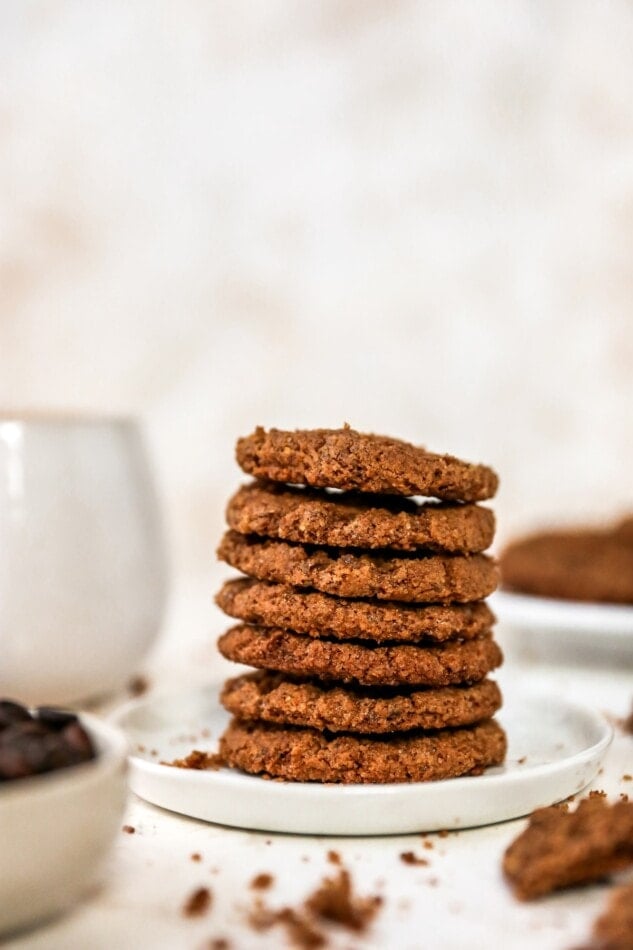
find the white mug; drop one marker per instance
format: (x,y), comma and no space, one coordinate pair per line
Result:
(82,565)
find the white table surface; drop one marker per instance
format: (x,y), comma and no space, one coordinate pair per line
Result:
(459,900)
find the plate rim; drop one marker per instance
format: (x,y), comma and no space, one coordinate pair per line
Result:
(491,779)
(569,616)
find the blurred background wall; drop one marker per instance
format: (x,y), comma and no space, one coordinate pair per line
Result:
(416,217)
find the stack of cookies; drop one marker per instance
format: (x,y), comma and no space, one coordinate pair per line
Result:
(362,609)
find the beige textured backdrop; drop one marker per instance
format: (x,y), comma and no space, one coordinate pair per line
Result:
(416,217)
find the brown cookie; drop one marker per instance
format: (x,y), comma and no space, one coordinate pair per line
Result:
(585,565)
(613,930)
(275,698)
(320,615)
(561,848)
(623,530)
(409,578)
(353,461)
(358,521)
(306,755)
(283,651)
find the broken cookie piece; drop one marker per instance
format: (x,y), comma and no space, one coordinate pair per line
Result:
(562,848)
(613,930)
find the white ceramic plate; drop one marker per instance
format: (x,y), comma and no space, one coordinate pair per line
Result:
(555,749)
(542,628)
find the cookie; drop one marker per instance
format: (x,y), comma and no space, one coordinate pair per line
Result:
(320,615)
(561,848)
(433,579)
(623,530)
(585,565)
(613,930)
(353,461)
(273,697)
(358,521)
(283,651)
(306,755)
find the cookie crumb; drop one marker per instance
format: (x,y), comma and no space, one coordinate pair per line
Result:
(219,943)
(198,760)
(129,829)
(262,881)
(138,685)
(428,845)
(196,856)
(408,857)
(301,932)
(522,760)
(443,833)
(334,857)
(627,778)
(198,903)
(335,901)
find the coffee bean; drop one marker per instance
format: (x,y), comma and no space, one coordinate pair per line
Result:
(23,750)
(11,712)
(54,740)
(78,740)
(56,718)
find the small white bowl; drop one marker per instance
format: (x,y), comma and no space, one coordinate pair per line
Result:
(55,829)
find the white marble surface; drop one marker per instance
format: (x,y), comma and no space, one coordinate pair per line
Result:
(459,899)
(413,216)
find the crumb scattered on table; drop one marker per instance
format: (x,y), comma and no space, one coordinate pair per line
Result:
(333,902)
(138,685)
(129,829)
(301,932)
(198,903)
(262,881)
(409,857)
